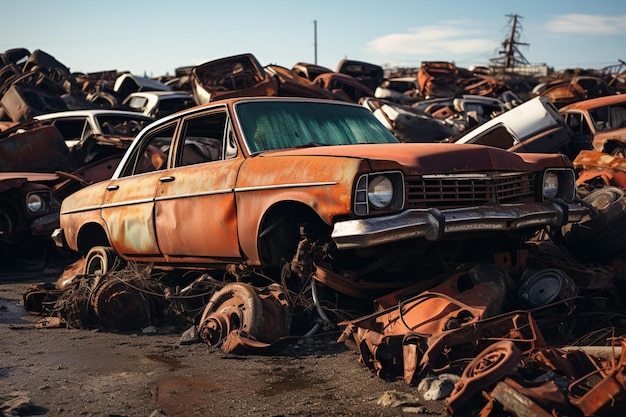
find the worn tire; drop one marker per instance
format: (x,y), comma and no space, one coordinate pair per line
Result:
(101,260)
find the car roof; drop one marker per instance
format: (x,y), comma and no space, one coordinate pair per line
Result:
(160,93)
(592,103)
(89,112)
(234,100)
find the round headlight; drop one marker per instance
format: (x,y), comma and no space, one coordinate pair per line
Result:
(380,191)
(550,185)
(35,203)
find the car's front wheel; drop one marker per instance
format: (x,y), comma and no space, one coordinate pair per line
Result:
(102,259)
(618,152)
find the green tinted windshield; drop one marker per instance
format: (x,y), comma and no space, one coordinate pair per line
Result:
(287,124)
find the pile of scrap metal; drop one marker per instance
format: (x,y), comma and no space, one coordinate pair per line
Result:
(537,333)
(36,83)
(580,87)
(572,85)
(237,317)
(31,189)
(468,111)
(498,325)
(410,124)
(243,75)
(445,79)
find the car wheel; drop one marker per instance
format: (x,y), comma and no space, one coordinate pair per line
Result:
(618,152)
(102,259)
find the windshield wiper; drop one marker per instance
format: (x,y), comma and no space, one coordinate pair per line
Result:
(311,145)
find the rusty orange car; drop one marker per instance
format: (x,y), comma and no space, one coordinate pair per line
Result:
(598,123)
(319,187)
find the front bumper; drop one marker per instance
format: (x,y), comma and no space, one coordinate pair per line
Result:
(58,236)
(44,225)
(434,224)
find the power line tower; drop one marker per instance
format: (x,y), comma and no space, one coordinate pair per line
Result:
(512,57)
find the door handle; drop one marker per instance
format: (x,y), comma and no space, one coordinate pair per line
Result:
(169,178)
(112,187)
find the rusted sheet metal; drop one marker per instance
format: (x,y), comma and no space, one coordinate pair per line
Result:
(353,287)
(343,86)
(582,87)
(412,333)
(598,165)
(606,397)
(517,326)
(572,363)
(19,145)
(236,76)
(445,79)
(437,79)
(541,383)
(308,70)
(366,73)
(292,85)
(241,318)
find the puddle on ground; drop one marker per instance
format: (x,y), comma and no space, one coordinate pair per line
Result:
(171,362)
(289,379)
(177,395)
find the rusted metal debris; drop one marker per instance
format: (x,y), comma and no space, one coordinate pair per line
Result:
(503,358)
(240,318)
(445,79)
(577,88)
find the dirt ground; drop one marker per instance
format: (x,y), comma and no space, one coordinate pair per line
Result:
(74,372)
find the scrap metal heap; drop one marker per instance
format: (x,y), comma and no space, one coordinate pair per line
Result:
(538,331)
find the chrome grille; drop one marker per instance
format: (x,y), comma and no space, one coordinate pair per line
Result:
(463,190)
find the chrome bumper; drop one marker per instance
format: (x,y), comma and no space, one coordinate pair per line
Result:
(59,238)
(433,224)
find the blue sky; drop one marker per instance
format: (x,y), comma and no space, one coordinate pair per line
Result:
(155,37)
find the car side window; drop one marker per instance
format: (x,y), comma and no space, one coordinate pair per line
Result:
(73,129)
(153,152)
(202,139)
(577,123)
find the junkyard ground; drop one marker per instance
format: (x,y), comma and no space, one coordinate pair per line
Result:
(76,372)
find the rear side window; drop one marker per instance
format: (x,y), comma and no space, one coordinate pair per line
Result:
(73,129)
(153,152)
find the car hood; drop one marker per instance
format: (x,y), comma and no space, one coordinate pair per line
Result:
(428,158)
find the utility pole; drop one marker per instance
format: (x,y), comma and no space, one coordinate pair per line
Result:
(512,56)
(315,40)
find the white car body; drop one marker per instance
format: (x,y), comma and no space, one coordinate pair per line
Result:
(157,104)
(77,125)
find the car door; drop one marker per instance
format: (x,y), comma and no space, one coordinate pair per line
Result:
(128,207)
(582,133)
(195,205)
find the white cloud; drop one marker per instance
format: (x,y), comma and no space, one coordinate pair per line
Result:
(432,39)
(588,24)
